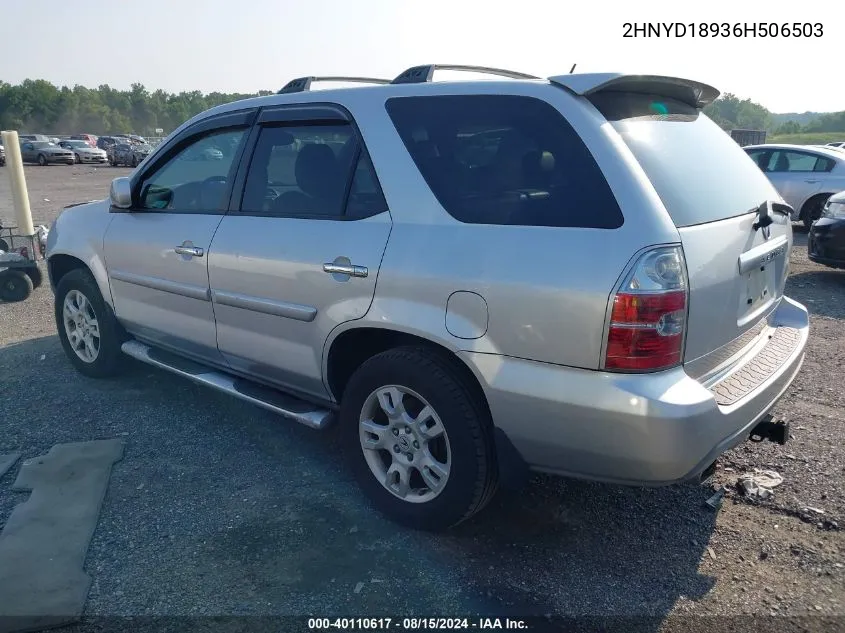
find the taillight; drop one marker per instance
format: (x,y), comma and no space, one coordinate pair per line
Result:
(649,314)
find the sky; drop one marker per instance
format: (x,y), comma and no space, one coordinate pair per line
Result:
(249,45)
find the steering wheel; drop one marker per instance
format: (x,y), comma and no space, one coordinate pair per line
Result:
(210,192)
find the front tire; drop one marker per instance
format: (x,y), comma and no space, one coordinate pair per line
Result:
(77,159)
(42,160)
(14,286)
(90,334)
(420,439)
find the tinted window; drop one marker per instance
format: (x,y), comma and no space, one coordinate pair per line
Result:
(305,171)
(497,159)
(789,161)
(699,171)
(195,178)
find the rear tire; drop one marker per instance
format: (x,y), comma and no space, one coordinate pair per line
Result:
(36,276)
(14,286)
(463,450)
(812,210)
(107,361)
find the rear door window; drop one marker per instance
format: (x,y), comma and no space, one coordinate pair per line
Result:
(504,159)
(700,173)
(311,171)
(791,161)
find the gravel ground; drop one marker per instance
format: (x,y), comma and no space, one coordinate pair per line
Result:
(222,508)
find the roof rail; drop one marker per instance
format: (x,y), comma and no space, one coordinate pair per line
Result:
(301,84)
(422,74)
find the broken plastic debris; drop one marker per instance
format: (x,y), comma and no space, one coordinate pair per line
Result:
(716,500)
(358,587)
(760,484)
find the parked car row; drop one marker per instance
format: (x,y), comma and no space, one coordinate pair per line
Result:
(123,149)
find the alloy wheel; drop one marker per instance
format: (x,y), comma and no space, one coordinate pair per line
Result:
(405,443)
(81,326)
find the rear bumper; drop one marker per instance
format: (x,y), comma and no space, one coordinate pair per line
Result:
(826,242)
(652,429)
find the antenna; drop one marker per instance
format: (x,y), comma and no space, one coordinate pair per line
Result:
(572,70)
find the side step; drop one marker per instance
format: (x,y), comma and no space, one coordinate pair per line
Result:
(265,397)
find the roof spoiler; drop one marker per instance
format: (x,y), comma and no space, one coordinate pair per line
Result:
(693,93)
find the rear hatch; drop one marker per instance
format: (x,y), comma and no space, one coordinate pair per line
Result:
(718,199)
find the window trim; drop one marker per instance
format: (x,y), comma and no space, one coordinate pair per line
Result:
(239,119)
(299,115)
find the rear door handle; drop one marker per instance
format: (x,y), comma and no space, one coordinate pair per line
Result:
(191,251)
(345,269)
(812,181)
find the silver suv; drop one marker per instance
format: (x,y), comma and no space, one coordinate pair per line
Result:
(581,275)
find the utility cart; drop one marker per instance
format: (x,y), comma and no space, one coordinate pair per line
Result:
(19,254)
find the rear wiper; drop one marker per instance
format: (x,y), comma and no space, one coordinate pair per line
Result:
(764,219)
(780,207)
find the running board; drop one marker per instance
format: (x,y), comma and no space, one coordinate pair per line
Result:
(265,397)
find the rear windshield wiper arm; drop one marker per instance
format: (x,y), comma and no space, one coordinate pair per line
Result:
(764,219)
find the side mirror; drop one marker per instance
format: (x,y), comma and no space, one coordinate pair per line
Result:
(121,193)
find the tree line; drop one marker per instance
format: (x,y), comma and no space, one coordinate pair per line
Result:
(731,112)
(36,105)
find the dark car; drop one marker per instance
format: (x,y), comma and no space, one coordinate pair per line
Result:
(128,154)
(45,153)
(2,154)
(105,142)
(826,241)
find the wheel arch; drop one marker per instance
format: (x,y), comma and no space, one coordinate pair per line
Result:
(349,347)
(60,264)
(806,204)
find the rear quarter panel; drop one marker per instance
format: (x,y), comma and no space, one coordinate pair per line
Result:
(546,289)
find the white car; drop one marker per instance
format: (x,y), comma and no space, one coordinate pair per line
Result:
(84,153)
(804,175)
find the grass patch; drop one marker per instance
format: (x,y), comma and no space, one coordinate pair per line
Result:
(805,138)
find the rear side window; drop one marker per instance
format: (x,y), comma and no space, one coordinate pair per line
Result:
(700,173)
(788,161)
(504,159)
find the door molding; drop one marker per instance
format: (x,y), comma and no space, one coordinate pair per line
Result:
(164,285)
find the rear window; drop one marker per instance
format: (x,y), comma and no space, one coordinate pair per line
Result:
(700,173)
(504,159)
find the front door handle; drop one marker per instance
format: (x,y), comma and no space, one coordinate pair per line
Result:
(345,269)
(190,251)
(812,181)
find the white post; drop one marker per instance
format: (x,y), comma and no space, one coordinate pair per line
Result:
(17,180)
